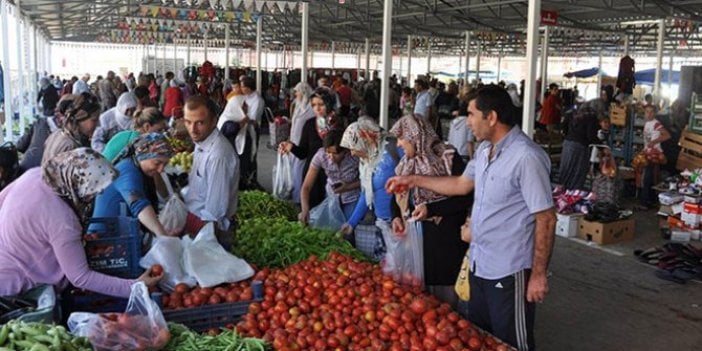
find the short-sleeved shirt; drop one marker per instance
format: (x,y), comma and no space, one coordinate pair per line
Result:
(509,190)
(346,171)
(423,103)
(652,131)
(460,135)
(127,189)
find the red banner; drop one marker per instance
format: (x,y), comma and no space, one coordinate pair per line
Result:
(549,18)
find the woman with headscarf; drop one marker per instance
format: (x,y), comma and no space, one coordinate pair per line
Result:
(148,120)
(378,156)
(172,99)
(144,158)
(114,120)
(575,159)
(48,95)
(42,215)
(78,124)
(313,132)
(439,217)
(32,143)
(302,112)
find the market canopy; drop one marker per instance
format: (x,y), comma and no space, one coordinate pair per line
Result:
(580,27)
(583,73)
(648,76)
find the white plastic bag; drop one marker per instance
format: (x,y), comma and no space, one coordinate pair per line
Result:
(209,263)
(404,258)
(140,327)
(282,177)
(174,213)
(168,252)
(328,214)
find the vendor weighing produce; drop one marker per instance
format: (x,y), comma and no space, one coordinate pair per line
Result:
(42,215)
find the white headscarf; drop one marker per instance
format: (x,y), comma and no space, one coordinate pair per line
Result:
(366,136)
(512,91)
(124,103)
(302,113)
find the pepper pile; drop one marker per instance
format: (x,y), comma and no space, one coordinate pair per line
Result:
(184,339)
(254,204)
(277,242)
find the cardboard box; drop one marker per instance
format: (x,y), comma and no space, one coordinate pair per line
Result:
(567,225)
(606,233)
(617,114)
(691,215)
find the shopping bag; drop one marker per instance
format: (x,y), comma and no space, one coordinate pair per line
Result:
(462,285)
(328,214)
(209,263)
(282,177)
(174,213)
(168,252)
(404,258)
(140,327)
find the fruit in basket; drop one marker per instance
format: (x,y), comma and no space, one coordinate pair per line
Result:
(180,145)
(184,160)
(156,270)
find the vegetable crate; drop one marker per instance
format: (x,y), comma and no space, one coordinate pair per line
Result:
(205,317)
(76,300)
(113,246)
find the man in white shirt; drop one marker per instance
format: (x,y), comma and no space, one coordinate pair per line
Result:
(81,85)
(423,101)
(214,179)
(254,106)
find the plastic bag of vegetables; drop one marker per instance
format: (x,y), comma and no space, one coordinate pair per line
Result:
(141,327)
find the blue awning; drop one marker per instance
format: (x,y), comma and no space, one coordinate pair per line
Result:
(648,76)
(583,73)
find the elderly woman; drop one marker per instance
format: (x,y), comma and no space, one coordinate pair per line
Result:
(148,120)
(378,158)
(439,218)
(41,217)
(78,125)
(302,112)
(114,120)
(144,158)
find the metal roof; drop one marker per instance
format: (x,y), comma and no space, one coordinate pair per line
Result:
(584,26)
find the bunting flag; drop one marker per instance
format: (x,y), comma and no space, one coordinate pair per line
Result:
(259,5)
(207,15)
(282,5)
(236,4)
(248,3)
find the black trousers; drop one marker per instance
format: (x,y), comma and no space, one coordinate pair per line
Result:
(500,308)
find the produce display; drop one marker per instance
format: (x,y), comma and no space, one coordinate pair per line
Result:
(39,337)
(184,160)
(254,203)
(276,242)
(185,297)
(184,339)
(344,304)
(180,145)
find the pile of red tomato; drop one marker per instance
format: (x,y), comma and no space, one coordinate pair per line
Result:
(185,297)
(342,304)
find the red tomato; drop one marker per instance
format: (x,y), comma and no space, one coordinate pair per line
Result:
(156,270)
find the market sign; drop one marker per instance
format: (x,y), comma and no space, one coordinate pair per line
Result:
(549,18)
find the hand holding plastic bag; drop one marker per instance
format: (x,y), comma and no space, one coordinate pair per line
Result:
(328,214)
(141,327)
(404,258)
(282,177)
(174,213)
(206,260)
(168,252)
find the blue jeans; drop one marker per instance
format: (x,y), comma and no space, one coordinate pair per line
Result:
(348,211)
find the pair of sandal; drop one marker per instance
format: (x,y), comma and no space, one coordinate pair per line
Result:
(680,275)
(678,262)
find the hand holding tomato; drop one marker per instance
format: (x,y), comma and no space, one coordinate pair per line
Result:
(398,227)
(398,184)
(149,278)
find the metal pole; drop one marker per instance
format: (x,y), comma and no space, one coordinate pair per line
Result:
(477,61)
(533,18)
(409,60)
(187,56)
(305,35)
(20,66)
(544,64)
(358,64)
(175,58)
(599,74)
(387,64)
(333,54)
(259,44)
(670,72)
(626,44)
(205,45)
(467,69)
(659,58)
(226,51)
(33,60)
(7,73)
(428,55)
(367,74)
(499,66)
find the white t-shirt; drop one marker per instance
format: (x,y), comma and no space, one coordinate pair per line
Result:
(424,102)
(652,131)
(460,135)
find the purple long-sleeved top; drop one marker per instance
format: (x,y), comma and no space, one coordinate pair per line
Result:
(40,242)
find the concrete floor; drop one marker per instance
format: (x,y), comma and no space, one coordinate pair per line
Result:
(601,297)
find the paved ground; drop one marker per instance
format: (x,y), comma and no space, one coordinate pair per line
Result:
(602,298)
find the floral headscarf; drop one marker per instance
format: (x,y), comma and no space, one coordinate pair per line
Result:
(83,106)
(146,147)
(431,158)
(77,176)
(366,136)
